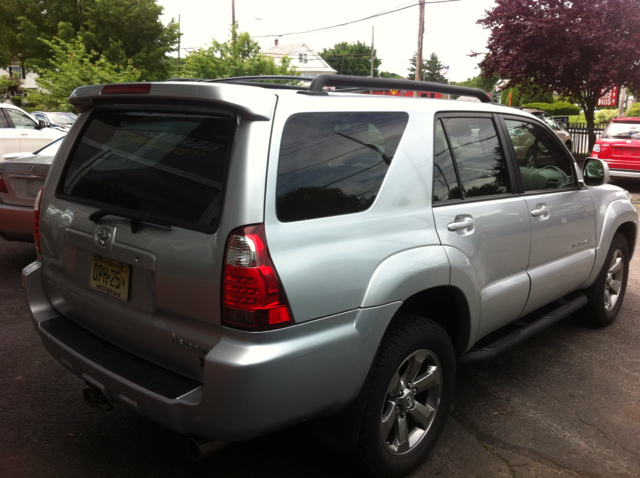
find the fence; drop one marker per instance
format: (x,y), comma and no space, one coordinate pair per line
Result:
(580,135)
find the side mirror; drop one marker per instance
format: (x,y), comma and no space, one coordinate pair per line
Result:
(562,125)
(41,124)
(595,172)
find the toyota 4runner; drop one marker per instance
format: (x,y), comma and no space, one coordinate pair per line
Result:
(232,257)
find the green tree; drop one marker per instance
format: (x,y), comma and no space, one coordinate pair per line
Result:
(388,74)
(485,84)
(118,29)
(71,66)
(351,59)
(10,85)
(240,56)
(430,69)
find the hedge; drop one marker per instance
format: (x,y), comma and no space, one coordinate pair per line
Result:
(634,110)
(556,109)
(566,109)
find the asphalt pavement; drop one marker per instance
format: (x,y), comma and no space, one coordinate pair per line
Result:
(564,404)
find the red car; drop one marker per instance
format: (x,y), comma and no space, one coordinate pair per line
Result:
(619,146)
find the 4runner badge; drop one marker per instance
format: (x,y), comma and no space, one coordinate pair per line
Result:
(102,236)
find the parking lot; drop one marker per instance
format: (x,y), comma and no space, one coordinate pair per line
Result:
(564,404)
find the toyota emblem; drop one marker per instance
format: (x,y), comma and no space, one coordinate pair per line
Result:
(102,236)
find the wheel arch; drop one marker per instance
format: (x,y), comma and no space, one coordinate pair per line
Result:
(447,306)
(630,231)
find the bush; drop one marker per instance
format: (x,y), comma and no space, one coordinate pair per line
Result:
(634,110)
(546,107)
(604,116)
(566,109)
(17,100)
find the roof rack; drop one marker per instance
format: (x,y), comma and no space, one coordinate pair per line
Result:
(349,83)
(321,81)
(255,81)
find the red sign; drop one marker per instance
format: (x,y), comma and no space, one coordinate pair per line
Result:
(610,98)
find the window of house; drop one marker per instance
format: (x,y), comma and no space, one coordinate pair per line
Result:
(16,71)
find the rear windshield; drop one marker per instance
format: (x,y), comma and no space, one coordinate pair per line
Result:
(622,131)
(169,166)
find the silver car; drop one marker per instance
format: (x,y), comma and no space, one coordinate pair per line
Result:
(232,257)
(21,178)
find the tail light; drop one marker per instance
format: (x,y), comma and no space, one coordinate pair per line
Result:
(253,297)
(3,186)
(126,89)
(36,219)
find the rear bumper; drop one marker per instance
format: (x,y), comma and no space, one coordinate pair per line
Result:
(624,173)
(254,383)
(16,222)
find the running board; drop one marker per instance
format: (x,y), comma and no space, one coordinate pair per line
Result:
(492,350)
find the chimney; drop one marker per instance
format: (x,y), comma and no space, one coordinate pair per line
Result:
(276,41)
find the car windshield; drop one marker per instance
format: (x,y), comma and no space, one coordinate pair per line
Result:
(622,130)
(61,118)
(168,165)
(51,149)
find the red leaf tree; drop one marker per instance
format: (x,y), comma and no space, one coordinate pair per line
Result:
(575,48)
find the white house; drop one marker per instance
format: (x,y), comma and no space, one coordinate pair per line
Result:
(29,78)
(306,61)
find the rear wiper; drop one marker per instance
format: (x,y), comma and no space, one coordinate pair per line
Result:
(136,218)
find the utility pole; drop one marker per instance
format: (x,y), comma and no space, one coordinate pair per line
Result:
(622,97)
(179,34)
(419,52)
(373,55)
(233,13)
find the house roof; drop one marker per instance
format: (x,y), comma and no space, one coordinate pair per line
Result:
(305,59)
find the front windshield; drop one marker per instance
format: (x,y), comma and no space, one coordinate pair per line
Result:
(62,118)
(622,130)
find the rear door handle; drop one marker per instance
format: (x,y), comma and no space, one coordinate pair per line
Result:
(466,223)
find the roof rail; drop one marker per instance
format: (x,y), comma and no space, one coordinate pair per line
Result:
(254,81)
(243,79)
(321,81)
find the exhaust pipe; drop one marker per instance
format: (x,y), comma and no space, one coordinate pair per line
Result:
(94,398)
(198,447)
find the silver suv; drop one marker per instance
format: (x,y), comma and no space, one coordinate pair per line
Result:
(232,257)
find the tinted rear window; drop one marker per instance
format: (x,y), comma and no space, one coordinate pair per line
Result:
(334,163)
(171,166)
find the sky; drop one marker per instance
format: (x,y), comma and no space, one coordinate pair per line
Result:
(451,31)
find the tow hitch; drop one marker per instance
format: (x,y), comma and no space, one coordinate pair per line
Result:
(94,398)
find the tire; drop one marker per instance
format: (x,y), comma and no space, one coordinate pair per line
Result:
(410,393)
(607,292)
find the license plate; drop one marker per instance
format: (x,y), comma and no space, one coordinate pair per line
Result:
(110,277)
(630,152)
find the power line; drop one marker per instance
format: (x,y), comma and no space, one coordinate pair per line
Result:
(355,21)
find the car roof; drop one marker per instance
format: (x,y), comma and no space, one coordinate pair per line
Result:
(626,119)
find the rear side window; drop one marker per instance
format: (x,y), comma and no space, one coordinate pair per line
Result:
(478,155)
(334,163)
(170,166)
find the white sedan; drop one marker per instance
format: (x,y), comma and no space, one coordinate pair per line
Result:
(22,133)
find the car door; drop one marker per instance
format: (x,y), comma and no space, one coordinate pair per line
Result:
(9,136)
(562,215)
(31,138)
(481,220)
